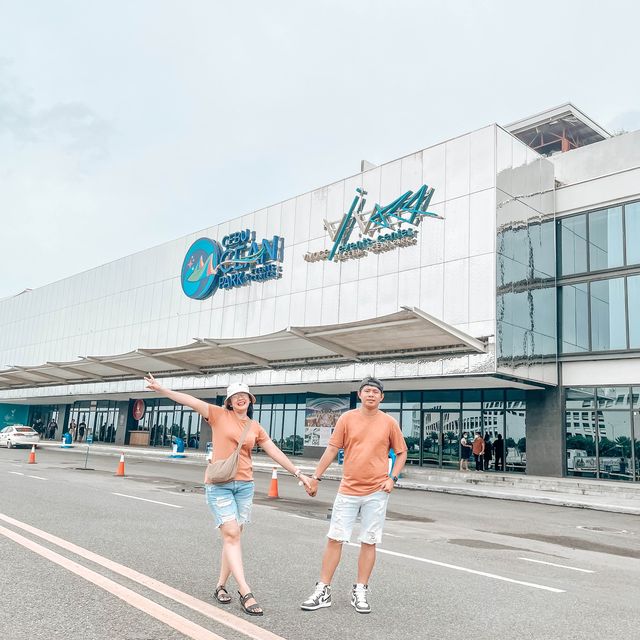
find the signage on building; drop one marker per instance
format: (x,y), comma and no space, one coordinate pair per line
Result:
(237,261)
(138,409)
(380,228)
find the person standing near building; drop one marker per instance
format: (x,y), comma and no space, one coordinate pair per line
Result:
(498,453)
(52,427)
(488,449)
(366,434)
(478,450)
(82,427)
(465,453)
(230,502)
(73,429)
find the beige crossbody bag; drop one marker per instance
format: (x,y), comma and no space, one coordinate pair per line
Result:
(225,470)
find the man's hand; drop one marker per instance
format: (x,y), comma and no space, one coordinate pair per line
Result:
(305,481)
(387,485)
(313,487)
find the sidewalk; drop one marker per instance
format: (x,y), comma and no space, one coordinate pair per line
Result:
(600,495)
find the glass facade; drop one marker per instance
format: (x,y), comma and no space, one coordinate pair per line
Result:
(166,420)
(601,428)
(100,419)
(599,314)
(282,416)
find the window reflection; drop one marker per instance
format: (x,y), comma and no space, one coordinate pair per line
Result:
(633,292)
(605,239)
(632,231)
(575,318)
(573,244)
(608,316)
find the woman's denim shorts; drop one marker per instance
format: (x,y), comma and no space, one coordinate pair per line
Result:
(230,501)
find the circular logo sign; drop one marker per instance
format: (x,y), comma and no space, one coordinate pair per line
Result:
(138,409)
(200,274)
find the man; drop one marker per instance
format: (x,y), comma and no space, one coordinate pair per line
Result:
(478,450)
(498,453)
(366,434)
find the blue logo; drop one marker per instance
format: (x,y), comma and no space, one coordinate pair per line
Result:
(238,261)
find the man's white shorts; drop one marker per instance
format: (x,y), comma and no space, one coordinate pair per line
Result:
(372,510)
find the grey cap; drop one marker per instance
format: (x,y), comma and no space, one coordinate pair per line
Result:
(371,382)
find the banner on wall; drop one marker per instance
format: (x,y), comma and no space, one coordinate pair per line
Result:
(321,416)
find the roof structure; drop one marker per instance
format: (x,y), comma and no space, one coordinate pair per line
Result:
(405,334)
(557,130)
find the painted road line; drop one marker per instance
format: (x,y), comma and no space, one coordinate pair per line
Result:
(166,504)
(168,617)
(36,477)
(16,473)
(223,617)
(553,564)
(493,576)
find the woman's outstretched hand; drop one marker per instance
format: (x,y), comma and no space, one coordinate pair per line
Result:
(305,481)
(152,384)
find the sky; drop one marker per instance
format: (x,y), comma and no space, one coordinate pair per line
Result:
(124,125)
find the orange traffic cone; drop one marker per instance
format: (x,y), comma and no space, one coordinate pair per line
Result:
(32,455)
(273,489)
(120,471)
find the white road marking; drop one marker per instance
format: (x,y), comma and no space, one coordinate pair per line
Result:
(493,576)
(553,564)
(36,477)
(393,535)
(171,619)
(166,504)
(223,617)
(16,473)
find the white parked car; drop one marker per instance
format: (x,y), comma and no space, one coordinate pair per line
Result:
(18,435)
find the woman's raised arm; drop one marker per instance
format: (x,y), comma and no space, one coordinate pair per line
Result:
(187,400)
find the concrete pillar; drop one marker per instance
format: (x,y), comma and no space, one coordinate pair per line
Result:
(121,427)
(545,433)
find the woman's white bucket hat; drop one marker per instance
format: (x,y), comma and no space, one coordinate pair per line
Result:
(238,387)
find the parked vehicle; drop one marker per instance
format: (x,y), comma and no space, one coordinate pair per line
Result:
(18,435)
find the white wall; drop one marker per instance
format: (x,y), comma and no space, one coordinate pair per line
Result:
(137,302)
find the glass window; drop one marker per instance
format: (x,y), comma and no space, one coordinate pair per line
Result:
(581,445)
(289,432)
(441,400)
(605,239)
(636,437)
(515,441)
(608,317)
(632,231)
(411,433)
(411,399)
(614,445)
(391,401)
(580,398)
(573,245)
(635,393)
(613,397)
(633,292)
(493,399)
(575,318)
(471,399)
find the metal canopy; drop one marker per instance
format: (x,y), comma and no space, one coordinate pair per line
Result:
(405,334)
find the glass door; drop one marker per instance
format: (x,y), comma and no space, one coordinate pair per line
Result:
(432,438)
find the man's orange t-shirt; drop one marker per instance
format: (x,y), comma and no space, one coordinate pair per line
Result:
(226,430)
(478,445)
(366,441)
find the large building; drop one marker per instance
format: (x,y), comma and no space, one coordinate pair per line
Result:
(492,281)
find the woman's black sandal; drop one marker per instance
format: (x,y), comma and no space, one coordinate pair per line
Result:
(222,595)
(252,609)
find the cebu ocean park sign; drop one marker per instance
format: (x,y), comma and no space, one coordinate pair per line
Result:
(380,228)
(237,261)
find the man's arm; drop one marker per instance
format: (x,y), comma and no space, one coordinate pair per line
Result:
(327,458)
(401,459)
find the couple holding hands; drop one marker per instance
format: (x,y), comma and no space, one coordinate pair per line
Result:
(366,434)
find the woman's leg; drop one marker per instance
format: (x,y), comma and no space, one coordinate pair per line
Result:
(232,552)
(225,569)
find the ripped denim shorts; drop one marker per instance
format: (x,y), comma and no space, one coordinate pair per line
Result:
(230,501)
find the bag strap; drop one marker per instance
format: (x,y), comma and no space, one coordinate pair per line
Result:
(245,432)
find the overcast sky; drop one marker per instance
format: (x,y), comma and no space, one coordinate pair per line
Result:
(126,124)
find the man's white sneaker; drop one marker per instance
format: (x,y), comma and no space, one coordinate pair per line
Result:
(359,598)
(319,599)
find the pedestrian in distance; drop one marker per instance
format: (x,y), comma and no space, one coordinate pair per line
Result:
(498,453)
(73,429)
(52,427)
(82,427)
(366,434)
(465,452)
(478,450)
(230,502)
(488,449)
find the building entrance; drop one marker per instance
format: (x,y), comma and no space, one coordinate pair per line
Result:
(440,438)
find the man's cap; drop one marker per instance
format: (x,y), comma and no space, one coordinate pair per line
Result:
(238,387)
(371,382)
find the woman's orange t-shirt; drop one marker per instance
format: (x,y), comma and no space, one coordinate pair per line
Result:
(226,430)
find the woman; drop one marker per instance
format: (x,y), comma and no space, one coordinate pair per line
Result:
(465,452)
(488,450)
(231,502)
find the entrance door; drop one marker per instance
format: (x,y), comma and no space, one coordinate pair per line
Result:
(440,438)
(432,438)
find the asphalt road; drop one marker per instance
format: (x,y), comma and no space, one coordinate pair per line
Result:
(449,567)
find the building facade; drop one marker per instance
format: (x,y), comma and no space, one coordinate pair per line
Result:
(491,281)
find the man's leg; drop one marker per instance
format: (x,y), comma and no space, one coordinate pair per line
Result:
(330,560)
(366,562)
